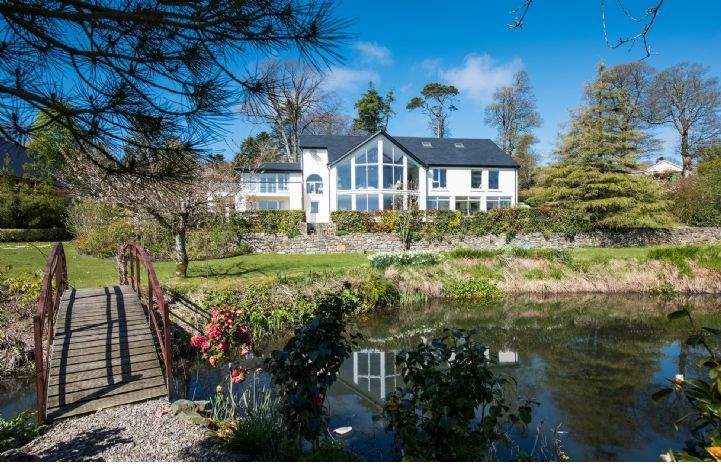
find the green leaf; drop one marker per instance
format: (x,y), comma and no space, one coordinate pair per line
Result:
(658,395)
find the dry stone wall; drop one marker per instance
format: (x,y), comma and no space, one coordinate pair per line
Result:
(384,242)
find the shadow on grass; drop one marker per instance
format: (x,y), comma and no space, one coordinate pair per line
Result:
(234,270)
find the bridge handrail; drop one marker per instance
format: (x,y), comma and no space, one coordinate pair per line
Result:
(132,255)
(55,282)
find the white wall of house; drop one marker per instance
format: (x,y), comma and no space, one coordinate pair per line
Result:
(315,162)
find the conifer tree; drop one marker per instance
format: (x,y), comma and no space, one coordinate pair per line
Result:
(374,111)
(594,177)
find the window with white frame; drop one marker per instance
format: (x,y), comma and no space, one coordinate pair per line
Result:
(439,178)
(497,202)
(343,175)
(392,201)
(366,169)
(393,170)
(344,202)
(269,205)
(476,179)
(438,203)
(314,184)
(468,205)
(314,207)
(273,182)
(493,179)
(366,202)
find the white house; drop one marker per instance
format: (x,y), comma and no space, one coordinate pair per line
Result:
(663,167)
(381,172)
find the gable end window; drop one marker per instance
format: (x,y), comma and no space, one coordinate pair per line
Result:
(476,179)
(366,169)
(493,179)
(439,179)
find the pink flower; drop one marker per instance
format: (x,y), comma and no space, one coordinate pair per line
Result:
(213,360)
(200,342)
(214,313)
(244,350)
(223,346)
(237,375)
(212,331)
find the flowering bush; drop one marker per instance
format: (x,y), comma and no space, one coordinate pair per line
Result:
(381,261)
(226,338)
(308,365)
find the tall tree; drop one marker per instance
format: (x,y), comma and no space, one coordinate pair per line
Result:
(293,102)
(513,112)
(527,160)
(437,101)
(256,150)
(374,111)
(686,98)
(106,70)
(593,178)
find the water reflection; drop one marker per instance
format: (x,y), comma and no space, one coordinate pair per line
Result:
(591,361)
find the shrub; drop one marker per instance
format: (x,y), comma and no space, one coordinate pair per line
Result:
(445,383)
(559,255)
(17,431)
(441,223)
(21,235)
(373,293)
(30,206)
(476,289)
(306,368)
(269,222)
(24,286)
(226,338)
(215,241)
(381,261)
(347,221)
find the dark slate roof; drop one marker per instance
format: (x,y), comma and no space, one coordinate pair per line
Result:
(277,166)
(442,152)
(16,156)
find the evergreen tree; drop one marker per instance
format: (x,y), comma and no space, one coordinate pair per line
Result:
(437,101)
(255,150)
(526,158)
(374,111)
(594,177)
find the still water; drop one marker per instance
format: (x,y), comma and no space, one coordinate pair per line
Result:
(592,362)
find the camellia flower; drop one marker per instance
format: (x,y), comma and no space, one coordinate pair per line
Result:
(244,350)
(212,330)
(238,375)
(200,342)
(223,346)
(214,313)
(213,360)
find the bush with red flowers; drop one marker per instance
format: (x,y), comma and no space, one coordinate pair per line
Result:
(226,339)
(308,365)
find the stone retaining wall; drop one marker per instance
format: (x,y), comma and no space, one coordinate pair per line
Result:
(385,242)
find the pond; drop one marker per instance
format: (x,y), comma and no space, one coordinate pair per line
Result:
(592,362)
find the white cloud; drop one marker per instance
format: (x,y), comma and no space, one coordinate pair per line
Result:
(479,75)
(372,52)
(349,79)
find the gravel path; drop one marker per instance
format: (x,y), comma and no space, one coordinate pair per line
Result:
(127,433)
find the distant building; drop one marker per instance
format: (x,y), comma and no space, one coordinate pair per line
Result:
(663,167)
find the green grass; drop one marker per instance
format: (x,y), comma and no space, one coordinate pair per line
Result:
(87,271)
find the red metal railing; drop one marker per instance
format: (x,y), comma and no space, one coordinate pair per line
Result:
(55,282)
(130,258)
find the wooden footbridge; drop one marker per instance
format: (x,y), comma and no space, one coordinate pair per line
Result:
(101,347)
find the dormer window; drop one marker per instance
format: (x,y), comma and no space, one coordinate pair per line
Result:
(458,145)
(426,144)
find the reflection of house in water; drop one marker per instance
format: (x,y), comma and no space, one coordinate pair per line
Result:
(372,373)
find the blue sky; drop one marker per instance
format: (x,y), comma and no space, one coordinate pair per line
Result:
(401,45)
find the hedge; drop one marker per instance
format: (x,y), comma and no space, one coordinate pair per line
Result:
(435,225)
(19,235)
(269,222)
(30,206)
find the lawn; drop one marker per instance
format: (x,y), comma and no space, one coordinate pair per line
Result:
(86,271)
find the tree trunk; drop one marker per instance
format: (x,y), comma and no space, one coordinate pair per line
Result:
(685,154)
(181,255)
(181,251)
